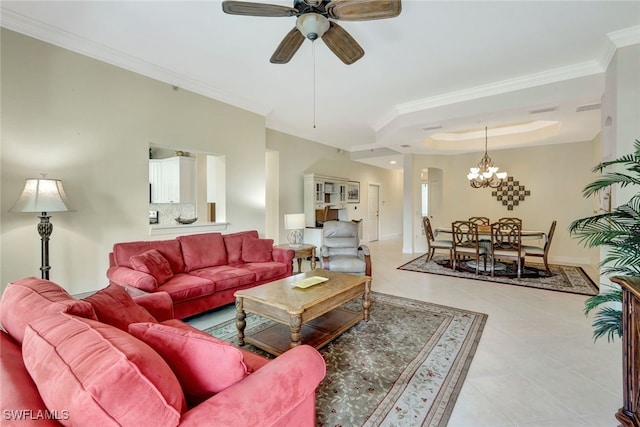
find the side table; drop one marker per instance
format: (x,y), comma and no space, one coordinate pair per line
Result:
(303,251)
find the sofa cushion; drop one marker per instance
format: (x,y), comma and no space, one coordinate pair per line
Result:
(19,392)
(101,375)
(226,277)
(233,244)
(170,250)
(267,270)
(114,306)
(30,298)
(203,364)
(257,250)
(184,287)
(153,263)
(203,250)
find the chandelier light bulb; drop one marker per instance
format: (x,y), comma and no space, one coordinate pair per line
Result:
(486,174)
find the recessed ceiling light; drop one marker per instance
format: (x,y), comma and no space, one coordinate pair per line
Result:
(393,162)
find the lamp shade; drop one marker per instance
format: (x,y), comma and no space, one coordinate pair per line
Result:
(41,195)
(294,221)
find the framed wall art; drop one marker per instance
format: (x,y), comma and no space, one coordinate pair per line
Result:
(353,192)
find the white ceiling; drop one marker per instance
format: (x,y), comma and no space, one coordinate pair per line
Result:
(460,65)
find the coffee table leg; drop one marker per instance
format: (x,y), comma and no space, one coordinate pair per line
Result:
(366,299)
(295,324)
(240,320)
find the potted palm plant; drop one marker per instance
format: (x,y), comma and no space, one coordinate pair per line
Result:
(618,231)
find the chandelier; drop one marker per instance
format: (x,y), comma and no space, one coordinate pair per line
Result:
(486,174)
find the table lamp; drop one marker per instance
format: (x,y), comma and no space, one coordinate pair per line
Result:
(295,224)
(42,195)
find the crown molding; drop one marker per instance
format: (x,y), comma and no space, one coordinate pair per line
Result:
(50,34)
(618,39)
(570,72)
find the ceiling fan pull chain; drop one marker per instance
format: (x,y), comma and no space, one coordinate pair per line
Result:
(313,53)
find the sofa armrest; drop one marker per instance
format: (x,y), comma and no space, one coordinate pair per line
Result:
(127,276)
(265,396)
(285,256)
(158,304)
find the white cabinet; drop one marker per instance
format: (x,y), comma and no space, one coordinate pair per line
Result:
(173,180)
(322,193)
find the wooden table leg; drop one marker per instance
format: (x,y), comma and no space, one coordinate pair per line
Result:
(366,299)
(295,324)
(299,265)
(240,320)
(313,259)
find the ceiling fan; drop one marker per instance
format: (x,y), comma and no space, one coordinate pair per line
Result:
(315,20)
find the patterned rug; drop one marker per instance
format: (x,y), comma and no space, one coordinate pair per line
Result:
(564,278)
(405,366)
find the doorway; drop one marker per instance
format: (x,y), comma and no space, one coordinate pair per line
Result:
(374,212)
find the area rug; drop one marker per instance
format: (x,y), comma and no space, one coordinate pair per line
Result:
(405,366)
(564,278)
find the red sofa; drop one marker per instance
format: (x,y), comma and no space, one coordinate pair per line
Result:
(199,271)
(72,362)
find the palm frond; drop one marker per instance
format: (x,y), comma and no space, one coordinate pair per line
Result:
(617,231)
(612,295)
(608,321)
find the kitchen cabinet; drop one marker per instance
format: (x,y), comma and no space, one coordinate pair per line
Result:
(172,180)
(325,198)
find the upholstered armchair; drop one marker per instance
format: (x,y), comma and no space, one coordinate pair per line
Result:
(341,249)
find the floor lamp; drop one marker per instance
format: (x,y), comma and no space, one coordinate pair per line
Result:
(42,195)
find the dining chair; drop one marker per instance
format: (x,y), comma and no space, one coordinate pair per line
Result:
(466,243)
(480,220)
(506,242)
(432,243)
(543,251)
(511,219)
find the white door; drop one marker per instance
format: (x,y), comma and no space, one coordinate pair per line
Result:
(374,212)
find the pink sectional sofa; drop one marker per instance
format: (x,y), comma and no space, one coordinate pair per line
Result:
(112,360)
(199,271)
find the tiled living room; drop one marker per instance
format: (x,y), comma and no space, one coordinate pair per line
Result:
(536,354)
(96,105)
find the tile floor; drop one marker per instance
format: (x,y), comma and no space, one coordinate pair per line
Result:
(536,364)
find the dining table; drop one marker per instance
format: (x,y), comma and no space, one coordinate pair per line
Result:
(484,233)
(484,236)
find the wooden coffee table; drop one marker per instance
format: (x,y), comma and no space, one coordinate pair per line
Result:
(311,316)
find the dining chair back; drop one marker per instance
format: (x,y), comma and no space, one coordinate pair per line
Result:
(506,243)
(480,220)
(511,219)
(466,244)
(543,251)
(432,243)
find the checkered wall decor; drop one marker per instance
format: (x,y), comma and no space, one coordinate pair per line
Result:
(510,193)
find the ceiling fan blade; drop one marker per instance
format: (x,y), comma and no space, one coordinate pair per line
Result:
(363,10)
(342,44)
(287,47)
(257,9)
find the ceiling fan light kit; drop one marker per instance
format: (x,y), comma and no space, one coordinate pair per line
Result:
(312,25)
(314,20)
